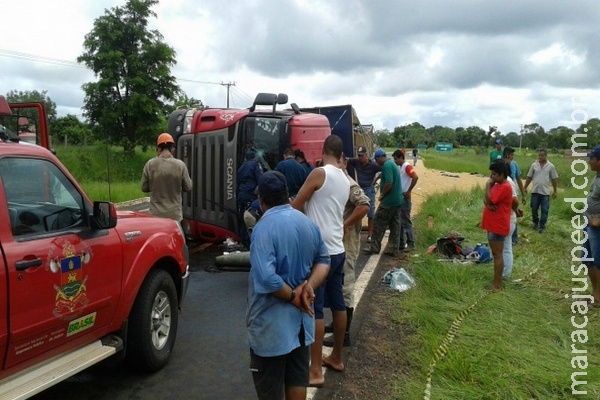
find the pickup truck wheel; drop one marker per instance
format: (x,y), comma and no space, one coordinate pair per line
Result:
(153,323)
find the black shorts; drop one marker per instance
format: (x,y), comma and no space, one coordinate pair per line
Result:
(272,375)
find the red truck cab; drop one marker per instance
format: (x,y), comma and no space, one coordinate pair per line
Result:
(213,141)
(82,281)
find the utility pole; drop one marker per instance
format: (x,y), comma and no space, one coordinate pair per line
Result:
(521,137)
(228,84)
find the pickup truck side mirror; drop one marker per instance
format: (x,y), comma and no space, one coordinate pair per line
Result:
(104,216)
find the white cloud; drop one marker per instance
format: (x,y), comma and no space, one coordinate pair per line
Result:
(457,63)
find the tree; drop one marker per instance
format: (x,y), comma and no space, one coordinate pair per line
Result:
(475,136)
(439,133)
(182,100)
(590,131)
(533,136)
(133,66)
(409,135)
(70,130)
(34,96)
(512,139)
(560,137)
(384,138)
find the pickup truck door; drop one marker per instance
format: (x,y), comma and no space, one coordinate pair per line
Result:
(64,278)
(3,295)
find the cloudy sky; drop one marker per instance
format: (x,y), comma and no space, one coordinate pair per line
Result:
(452,63)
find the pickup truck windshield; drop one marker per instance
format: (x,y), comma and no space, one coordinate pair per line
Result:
(40,197)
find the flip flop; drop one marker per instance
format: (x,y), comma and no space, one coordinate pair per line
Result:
(317,385)
(592,303)
(326,364)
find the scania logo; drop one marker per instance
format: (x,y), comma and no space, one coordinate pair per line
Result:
(229,178)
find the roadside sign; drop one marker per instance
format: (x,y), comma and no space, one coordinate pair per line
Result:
(444,147)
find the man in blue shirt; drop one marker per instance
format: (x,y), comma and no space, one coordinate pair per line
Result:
(246,181)
(289,261)
(301,159)
(366,170)
(295,174)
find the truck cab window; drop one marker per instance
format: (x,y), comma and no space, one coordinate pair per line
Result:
(267,136)
(40,198)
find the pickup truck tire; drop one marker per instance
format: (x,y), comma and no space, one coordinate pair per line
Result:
(153,323)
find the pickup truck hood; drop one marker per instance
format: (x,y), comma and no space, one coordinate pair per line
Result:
(125,214)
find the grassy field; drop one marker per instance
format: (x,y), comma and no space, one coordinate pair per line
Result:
(516,344)
(104,172)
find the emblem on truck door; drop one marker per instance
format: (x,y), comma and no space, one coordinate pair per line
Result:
(72,292)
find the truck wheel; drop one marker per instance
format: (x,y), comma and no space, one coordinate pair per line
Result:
(153,323)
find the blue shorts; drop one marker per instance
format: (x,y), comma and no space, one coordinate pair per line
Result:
(592,247)
(495,237)
(330,293)
(370,192)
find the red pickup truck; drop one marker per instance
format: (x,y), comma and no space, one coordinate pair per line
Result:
(81,282)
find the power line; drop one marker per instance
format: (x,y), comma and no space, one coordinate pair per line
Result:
(244,97)
(72,64)
(32,57)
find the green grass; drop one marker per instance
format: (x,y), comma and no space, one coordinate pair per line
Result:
(104,172)
(515,344)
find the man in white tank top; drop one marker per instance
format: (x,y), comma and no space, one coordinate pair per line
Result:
(323,198)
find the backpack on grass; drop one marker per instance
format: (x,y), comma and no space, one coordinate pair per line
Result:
(449,246)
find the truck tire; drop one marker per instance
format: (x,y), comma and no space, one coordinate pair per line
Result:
(153,323)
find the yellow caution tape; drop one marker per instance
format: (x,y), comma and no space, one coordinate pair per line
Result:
(452,332)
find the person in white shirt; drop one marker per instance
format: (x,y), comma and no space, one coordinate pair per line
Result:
(322,198)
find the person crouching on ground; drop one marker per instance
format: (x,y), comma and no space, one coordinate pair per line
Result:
(287,266)
(498,203)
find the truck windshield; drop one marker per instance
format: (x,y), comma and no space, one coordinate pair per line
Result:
(20,127)
(268,137)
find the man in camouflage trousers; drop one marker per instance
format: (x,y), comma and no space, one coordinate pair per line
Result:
(388,211)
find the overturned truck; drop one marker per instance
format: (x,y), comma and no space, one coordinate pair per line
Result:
(213,141)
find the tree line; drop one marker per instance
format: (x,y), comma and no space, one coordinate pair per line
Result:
(532,136)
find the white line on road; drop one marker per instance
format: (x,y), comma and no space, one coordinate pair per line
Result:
(359,288)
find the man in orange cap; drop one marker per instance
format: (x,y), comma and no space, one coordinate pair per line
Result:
(165,177)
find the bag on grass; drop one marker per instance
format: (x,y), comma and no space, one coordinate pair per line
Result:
(449,247)
(485,255)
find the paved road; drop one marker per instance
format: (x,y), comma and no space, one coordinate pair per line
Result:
(210,360)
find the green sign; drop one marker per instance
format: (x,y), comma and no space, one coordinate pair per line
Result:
(446,147)
(422,147)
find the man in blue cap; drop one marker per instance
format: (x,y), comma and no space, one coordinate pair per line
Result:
(288,265)
(388,212)
(498,152)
